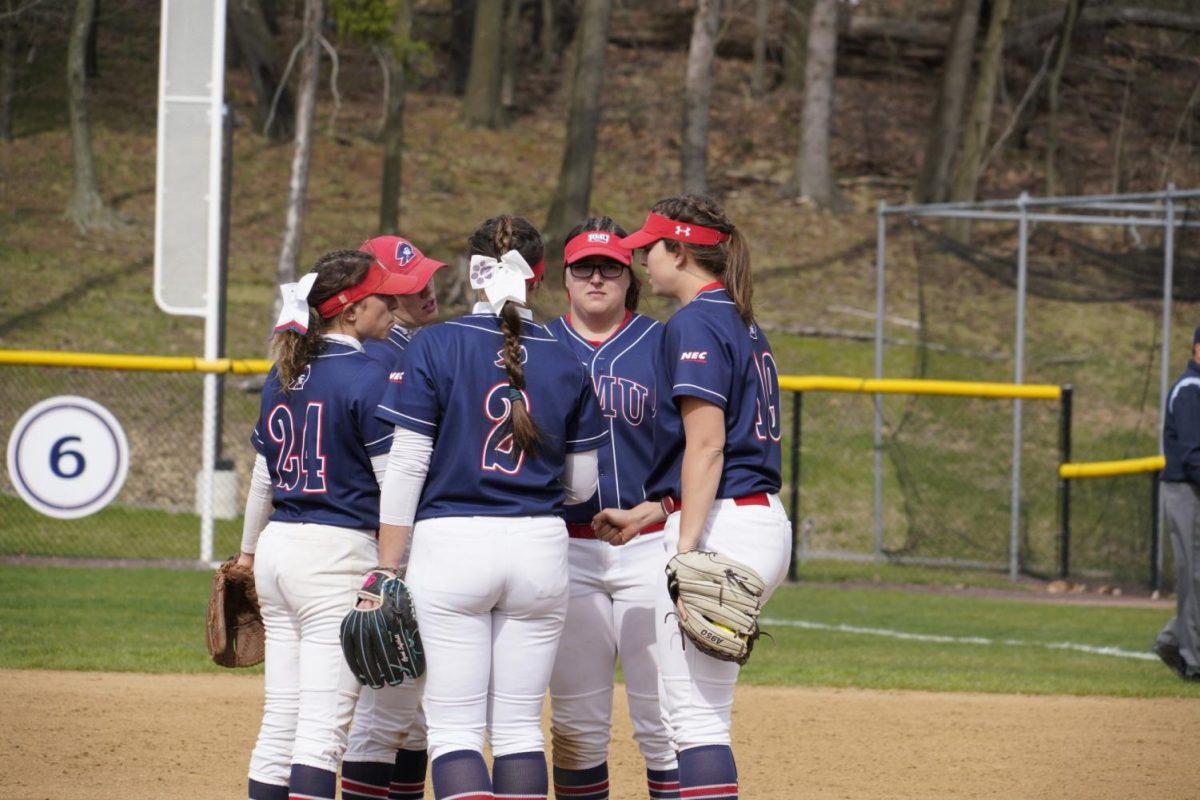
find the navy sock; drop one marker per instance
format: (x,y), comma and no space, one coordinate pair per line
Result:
(408,775)
(663,783)
(462,775)
(311,783)
(708,773)
(266,791)
(581,784)
(365,780)
(521,775)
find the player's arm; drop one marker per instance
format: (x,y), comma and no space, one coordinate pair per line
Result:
(581,472)
(703,460)
(408,463)
(258,510)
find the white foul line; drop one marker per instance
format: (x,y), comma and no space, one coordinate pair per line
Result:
(1115,652)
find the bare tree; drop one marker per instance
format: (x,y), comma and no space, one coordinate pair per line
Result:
(549,35)
(508,63)
(758,73)
(814,174)
(462,24)
(252,34)
(482,107)
(10,43)
(86,208)
(306,104)
(933,184)
(1062,52)
(795,31)
(393,126)
(979,122)
(574,190)
(697,92)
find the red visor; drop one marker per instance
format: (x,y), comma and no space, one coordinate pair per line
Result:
(377,281)
(659,227)
(538,270)
(597,243)
(401,257)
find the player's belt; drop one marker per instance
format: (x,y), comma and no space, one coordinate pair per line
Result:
(582,530)
(673,504)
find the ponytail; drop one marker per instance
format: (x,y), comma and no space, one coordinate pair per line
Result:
(293,351)
(737,274)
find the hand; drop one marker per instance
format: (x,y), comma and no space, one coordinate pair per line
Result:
(369,594)
(682,611)
(246,560)
(615,525)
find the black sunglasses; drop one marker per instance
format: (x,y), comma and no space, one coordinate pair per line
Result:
(584,270)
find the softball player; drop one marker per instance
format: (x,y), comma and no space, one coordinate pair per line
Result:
(613,588)
(716,460)
(386,755)
(320,450)
(496,425)
(414,309)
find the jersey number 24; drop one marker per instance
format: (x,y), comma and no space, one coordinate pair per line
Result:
(307,467)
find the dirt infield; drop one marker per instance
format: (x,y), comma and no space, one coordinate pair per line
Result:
(74,735)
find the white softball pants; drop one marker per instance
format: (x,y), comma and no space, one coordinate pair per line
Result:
(306,576)
(386,720)
(611,612)
(491,597)
(697,689)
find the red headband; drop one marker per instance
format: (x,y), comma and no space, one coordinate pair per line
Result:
(659,227)
(596,243)
(377,281)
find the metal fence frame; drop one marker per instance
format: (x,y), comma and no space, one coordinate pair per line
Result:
(1147,209)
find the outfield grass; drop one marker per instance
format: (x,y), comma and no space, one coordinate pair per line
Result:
(152,621)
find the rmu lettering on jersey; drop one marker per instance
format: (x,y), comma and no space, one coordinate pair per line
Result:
(622,396)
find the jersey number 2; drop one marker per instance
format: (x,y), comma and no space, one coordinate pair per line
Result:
(308,468)
(500,453)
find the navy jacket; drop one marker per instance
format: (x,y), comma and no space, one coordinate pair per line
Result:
(1181,431)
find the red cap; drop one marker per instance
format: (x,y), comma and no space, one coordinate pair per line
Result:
(377,281)
(659,227)
(401,257)
(538,269)
(597,243)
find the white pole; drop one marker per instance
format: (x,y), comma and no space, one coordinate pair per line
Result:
(1014,534)
(1164,377)
(880,284)
(212,293)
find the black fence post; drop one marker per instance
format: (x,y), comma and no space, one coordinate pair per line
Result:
(1064,485)
(1155,576)
(797,407)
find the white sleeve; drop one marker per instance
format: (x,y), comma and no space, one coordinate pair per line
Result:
(580,474)
(258,505)
(379,467)
(407,464)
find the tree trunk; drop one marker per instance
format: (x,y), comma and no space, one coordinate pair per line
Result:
(933,184)
(91,62)
(758,72)
(966,175)
(1063,50)
(86,208)
(814,173)
(697,90)
(462,26)
(482,104)
(9,44)
(253,36)
(570,204)
(795,31)
(393,126)
(549,37)
(512,45)
(306,104)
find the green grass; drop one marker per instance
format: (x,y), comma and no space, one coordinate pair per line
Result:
(152,621)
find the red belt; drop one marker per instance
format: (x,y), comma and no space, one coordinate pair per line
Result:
(672,504)
(583,530)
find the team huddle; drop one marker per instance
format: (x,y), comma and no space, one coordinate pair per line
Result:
(535,494)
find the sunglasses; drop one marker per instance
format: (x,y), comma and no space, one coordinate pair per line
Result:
(584,270)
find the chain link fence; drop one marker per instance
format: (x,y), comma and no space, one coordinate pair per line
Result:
(154,516)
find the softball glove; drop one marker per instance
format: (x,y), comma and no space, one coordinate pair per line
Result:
(382,645)
(234,628)
(721,600)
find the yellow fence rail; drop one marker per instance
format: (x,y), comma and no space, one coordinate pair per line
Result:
(834,383)
(1111,469)
(52,358)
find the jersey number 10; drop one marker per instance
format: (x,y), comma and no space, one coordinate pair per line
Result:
(307,468)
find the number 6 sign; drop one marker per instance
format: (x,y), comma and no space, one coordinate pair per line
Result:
(68,457)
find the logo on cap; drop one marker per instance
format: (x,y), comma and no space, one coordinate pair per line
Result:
(404,253)
(598,238)
(682,231)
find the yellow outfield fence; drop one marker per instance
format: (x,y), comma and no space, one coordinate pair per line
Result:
(997,391)
(1111,469)
(51,358)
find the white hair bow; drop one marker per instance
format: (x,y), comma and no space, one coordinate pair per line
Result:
(501,280)
(293,315)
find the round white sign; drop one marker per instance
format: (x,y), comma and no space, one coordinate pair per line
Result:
(68,457)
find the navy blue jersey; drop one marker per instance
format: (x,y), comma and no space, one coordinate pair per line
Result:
(390,350)
(318,439)
(453,387)
(622,373)
(709,352)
